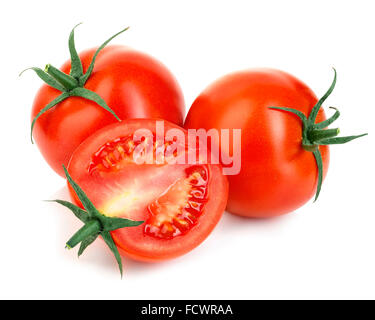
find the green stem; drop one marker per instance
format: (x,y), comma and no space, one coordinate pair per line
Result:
(89,229)
(66,80)
(310,147)
(319,134)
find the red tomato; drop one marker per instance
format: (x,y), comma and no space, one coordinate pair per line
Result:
(180,203)
(277,175)
(133,84)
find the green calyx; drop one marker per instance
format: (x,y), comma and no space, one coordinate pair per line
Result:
(316,134)
(95,223)
(71,85)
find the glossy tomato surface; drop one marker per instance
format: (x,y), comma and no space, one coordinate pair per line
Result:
(277,175)
(133,84)
(180,203)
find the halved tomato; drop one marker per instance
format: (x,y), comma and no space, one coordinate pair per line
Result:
(180,203)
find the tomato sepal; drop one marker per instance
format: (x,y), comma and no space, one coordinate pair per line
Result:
(315,134)
(86,76)
(95,223)
(91,95)
(319,163)
(76,69)
(71,85)
(81,214)
(52,82)
(340,140)
(50,105)
(112,246)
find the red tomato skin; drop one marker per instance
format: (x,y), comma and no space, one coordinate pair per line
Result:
(131,241)
(133,84)
(277,175)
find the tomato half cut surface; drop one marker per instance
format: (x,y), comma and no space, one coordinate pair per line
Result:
(180,203)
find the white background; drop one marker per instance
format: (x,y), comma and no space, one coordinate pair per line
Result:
(323,250)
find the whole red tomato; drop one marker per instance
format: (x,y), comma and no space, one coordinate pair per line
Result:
(280,152)
(131,83)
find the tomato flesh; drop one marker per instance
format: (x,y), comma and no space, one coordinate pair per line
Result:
(180,204)
(178,209)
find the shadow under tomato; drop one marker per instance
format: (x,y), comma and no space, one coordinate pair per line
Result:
(240,222)
(99,256)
